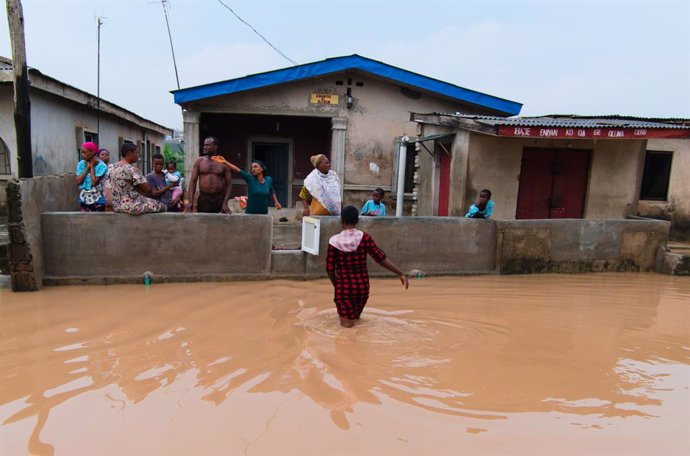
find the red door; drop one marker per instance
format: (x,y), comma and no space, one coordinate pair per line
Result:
(443,181)
(569,183)
(553,183)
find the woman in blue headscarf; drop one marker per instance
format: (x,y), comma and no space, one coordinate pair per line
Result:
(259,185)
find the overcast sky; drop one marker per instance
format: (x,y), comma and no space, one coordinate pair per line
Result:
(603,57)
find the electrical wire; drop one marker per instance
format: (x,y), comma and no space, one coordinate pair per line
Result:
(259,34)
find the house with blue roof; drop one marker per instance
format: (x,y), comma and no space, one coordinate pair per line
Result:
(351,108)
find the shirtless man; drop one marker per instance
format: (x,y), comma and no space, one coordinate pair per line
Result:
(215,182)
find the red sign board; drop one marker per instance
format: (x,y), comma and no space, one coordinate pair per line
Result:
(591,133)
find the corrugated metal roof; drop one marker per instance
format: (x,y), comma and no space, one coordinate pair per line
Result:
(341,64)
(7,64)
(563,121)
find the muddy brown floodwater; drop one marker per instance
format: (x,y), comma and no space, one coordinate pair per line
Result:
(540,364)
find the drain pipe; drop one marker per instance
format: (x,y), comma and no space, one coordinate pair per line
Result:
(402,161)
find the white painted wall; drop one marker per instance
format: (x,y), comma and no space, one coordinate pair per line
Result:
(54,123)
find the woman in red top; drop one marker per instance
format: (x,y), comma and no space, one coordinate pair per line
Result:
(346,265)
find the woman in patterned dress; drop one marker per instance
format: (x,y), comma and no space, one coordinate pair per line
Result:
(346,265)
(129,185)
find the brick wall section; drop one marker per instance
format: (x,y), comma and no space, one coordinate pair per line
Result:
(27,199)
(20,260)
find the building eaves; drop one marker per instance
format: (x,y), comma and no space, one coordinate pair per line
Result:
(561,121)
(43,82)
(348,63)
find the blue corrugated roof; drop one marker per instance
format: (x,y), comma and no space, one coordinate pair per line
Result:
(340,64)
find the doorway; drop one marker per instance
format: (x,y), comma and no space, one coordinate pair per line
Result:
(553,183)
(276,156)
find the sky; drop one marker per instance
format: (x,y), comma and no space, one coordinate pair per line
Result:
(582,57)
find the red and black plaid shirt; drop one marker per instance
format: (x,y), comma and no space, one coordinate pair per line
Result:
(350,268)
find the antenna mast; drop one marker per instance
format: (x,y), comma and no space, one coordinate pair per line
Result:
(98,82)
(172,49)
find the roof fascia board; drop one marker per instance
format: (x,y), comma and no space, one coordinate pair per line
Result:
(454,122)
(341,64)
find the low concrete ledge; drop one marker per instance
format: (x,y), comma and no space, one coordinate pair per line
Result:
(109,245)
(670,263)
(287,262)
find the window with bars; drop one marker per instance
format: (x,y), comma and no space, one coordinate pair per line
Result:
(4,159)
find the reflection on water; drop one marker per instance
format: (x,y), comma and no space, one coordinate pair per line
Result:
(491,364)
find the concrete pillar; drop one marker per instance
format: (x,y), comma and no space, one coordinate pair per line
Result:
(191,141)
(338,129)
(457,206)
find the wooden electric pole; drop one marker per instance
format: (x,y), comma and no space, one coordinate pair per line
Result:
(22,105)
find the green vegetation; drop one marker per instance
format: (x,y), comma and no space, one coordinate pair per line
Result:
(175,152)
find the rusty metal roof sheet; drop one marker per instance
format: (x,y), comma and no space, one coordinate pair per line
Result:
(565,121)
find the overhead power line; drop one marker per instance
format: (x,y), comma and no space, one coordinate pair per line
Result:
(259,34)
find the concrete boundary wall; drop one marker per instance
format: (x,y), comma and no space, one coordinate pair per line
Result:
(574,245)
(47,245)
(436,245)
(120,247)
(213,247)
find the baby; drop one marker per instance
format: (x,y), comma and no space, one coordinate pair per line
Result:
(171,176)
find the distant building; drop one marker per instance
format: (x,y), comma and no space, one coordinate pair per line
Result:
(555,166)
(62,118)
(353,109)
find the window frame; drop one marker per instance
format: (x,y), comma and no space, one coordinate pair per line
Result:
(644,190)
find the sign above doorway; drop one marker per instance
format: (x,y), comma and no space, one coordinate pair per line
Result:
(323,98)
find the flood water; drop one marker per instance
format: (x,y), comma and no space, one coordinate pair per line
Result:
(540,364)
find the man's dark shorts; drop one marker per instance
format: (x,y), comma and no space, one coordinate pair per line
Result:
(210,204)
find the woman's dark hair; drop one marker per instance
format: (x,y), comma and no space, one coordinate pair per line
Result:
(126,148)
(380,191)
(350,215)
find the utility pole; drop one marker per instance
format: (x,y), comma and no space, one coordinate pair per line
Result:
(22,105)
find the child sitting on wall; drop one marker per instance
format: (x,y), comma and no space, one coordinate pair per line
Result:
(483,208)
(374,206)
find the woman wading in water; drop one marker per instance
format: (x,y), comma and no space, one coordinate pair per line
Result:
(346,265)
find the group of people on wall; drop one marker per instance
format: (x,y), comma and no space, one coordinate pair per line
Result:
(122,187)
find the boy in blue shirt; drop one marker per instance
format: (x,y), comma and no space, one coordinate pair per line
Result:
(374,206)
(483,208)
